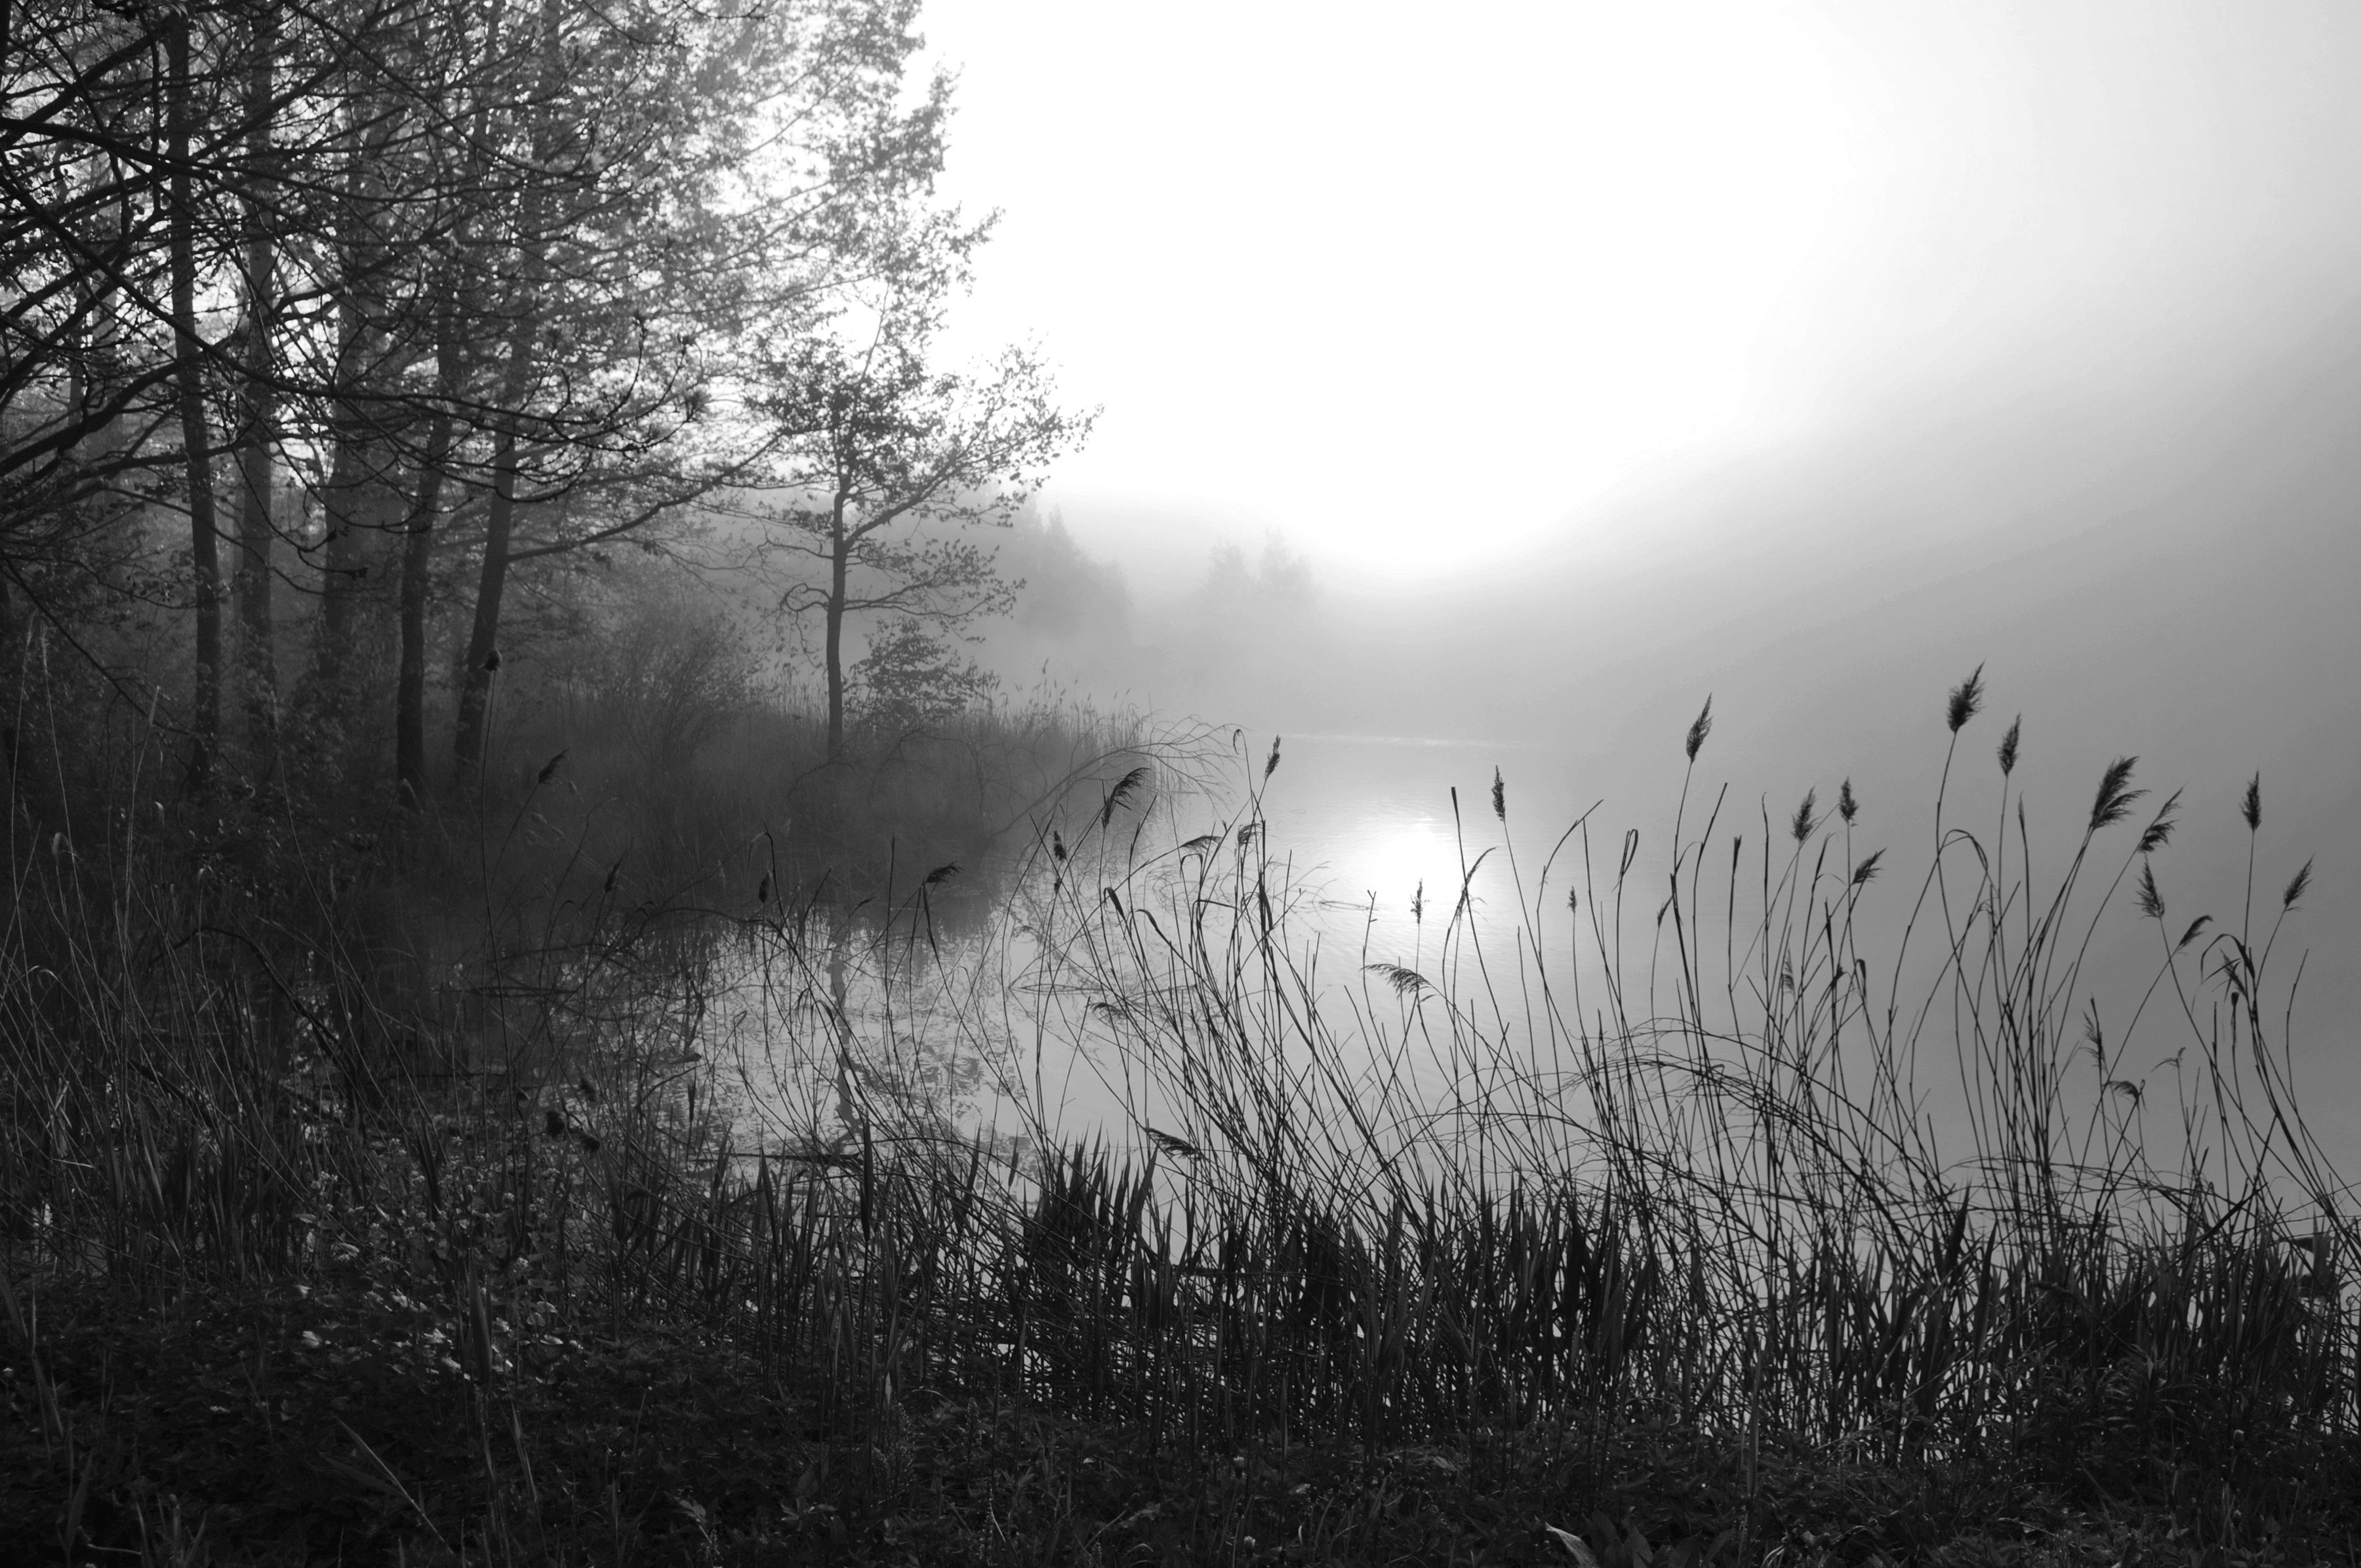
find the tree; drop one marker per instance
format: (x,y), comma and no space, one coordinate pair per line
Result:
(100,209)
(196,442)
(890,465)
(911,678)
(697,186)
(494,284)
(141,202)
(259,395)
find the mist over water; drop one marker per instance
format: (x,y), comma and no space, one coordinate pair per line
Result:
(2156,560)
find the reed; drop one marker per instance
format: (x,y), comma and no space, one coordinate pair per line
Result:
(753,1224)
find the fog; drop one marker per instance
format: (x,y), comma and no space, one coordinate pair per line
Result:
(1246,759)
(2150,560)
(1345,272)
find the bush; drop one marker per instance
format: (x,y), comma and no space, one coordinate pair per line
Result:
(911,678)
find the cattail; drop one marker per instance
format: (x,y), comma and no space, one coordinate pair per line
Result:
(1847,806)
(2115,796)
(1701,729)
(1967,699)
(2008,746)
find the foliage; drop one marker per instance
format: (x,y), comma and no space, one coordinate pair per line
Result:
(888,462)
(491,285)
(911,678)
(664,669)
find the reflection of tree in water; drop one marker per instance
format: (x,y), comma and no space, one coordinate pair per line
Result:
(846,1029)
(895,1012)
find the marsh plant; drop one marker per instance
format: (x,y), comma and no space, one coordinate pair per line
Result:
(1753,1193)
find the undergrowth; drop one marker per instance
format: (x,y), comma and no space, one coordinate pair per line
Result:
(746,1226)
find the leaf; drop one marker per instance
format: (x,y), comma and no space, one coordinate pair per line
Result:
(382,1480)
(1573,1545)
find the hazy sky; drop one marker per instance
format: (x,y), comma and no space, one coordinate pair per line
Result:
(1402,281)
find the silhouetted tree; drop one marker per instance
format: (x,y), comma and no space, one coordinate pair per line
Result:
(892,463)
(491,284)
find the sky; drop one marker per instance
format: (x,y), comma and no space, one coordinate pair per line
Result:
(1426,291)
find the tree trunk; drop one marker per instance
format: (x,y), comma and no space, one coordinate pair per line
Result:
(524,340)
(417,548)
(483,639)
(195,445)
(258,655)
(839,570)
(351,474)
(360,498)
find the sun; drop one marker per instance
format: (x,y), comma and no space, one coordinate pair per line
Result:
(1405,862)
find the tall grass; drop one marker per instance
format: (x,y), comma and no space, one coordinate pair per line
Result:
(1666,1150)
(1670,1147)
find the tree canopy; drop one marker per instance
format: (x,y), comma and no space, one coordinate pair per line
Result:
(326,318)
